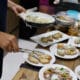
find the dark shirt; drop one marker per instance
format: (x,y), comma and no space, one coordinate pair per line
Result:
(3,8)
(29,3)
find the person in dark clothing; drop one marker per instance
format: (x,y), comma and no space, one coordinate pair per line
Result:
(7,42)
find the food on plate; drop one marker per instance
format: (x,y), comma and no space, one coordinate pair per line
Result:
(39,57)
(47,39)
(73,30)
(33,59)
(44,40)
(57,73)
(77,40)
(23,77)
(51,38)
(64,18)
(60,45)
(57,35)
(38,19)
(64,49)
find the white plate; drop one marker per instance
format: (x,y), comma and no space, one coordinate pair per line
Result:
(40,65)
(76,71)
(53,66)
(38,37)
(71,41)
(53,50)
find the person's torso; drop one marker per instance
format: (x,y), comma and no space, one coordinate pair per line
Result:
(3,9)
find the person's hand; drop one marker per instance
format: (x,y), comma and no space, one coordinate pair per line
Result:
(18,9)
(56,1)
(15,7)
(8,42)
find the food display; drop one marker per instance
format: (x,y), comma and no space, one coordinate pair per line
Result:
(63,49)
(56,72)
(23,77)
(38,57)
(51,38)
(38,17)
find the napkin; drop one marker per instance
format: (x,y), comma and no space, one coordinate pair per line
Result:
(11,65)
(25,44)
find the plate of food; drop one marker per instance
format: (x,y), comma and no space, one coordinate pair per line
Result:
(74,41)
(38,19)
(56,72)
(64,51)
(39,57)
(77,71)
(49,38)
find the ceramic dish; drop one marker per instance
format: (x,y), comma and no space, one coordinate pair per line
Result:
(39,58)
(56,72)
(50,38)
(64,51)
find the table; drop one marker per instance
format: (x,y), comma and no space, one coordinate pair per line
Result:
(32,72)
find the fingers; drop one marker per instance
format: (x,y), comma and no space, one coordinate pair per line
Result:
(18,9)
(8,42)
(13,44)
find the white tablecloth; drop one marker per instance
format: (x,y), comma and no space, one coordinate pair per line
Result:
(12,61)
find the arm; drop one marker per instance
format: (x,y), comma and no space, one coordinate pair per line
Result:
(8,42)
(15,7)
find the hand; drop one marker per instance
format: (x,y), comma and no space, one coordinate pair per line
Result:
(8,42)
(15,7)
(18,9)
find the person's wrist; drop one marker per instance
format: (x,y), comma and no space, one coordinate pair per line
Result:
(11,4)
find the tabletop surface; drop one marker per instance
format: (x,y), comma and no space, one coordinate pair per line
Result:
(32,72)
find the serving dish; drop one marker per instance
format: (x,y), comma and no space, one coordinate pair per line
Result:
(49,38)
(39,58)
(64,51)
(38,19)
(56,72)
